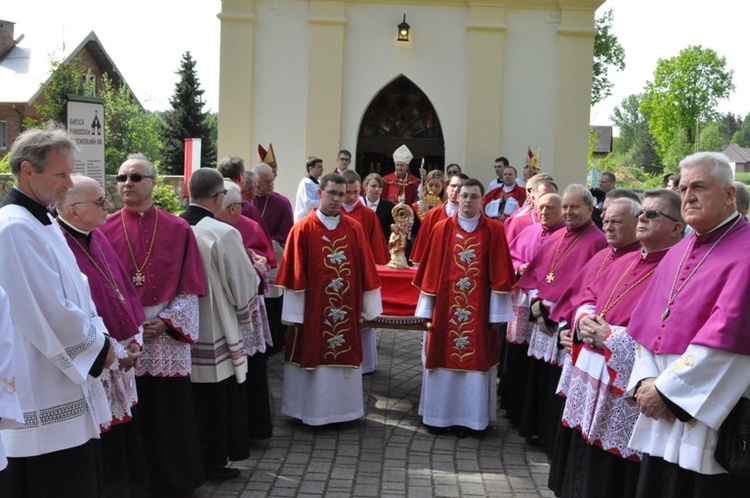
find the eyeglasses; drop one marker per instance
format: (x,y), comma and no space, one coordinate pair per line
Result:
(473,197)
(134,177)
(236,204)
(653,213)
(344,160)
(101,201)
(335,193)
(220,192)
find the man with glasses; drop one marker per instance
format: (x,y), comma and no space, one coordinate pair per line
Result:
(80,214)
(445,211)
(219,361)
(60,344)
(344,159)
(161,257)
(597,460)
(331,283)
(465,279)
(276,211)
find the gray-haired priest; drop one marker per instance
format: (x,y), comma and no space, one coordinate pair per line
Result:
(61,343)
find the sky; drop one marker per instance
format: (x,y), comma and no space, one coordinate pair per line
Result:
(146,40)
(650,30)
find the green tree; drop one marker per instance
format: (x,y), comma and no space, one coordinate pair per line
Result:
(186,119)
(64,79)
(128,128)
(742,137)
(685,90)
(608,53)
(679,146)
(636,143)
(713,136)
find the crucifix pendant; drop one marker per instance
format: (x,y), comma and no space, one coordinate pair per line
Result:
(665,314)
(550,277)
(138,279)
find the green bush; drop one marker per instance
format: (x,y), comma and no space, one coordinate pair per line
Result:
(165,197)
(5,165)
(743,176)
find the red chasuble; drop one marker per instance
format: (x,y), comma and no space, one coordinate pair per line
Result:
(334,268)
(392,185)
(423,236)
(373,232)
(461,269)
(518,193)
(174,264)
(560,259)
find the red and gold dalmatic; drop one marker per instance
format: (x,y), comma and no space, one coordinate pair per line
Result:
(461,269)
(334,268)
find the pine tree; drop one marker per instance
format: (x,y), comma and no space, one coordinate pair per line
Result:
(186,119)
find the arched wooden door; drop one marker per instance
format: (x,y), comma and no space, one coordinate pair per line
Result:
(399,114)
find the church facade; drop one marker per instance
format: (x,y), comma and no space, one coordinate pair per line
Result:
(476,79)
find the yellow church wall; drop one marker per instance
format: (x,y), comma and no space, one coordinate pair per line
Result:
(502,75)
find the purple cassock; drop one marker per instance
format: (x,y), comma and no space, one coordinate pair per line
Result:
(250,211)
(560,259)
(710,298)
(276,211)
(570,299)
(528,242)
(111,287)
(172,244)
(518,221)
(255,238)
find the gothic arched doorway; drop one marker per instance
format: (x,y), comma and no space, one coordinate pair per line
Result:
(399,114)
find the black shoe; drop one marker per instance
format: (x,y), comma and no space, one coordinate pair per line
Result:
(459,432)
(222,474)
(436,431)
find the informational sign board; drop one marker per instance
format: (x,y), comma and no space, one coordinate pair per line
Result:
(85,121)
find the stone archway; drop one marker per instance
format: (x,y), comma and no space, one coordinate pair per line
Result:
(399,114)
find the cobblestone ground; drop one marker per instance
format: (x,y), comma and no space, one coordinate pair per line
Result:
(388,453)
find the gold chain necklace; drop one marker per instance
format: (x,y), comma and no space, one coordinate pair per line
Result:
(263,213)
(555,263)
(610,303)
(673,293)
(604,262)
(109,279)
(138,278)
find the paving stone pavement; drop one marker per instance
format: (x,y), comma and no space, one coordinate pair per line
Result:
(388,453)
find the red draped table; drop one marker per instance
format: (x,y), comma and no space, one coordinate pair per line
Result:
(399,300)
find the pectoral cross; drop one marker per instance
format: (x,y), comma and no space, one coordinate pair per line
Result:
(550,277)
(139,279)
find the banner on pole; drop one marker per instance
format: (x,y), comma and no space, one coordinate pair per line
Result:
(192,161)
